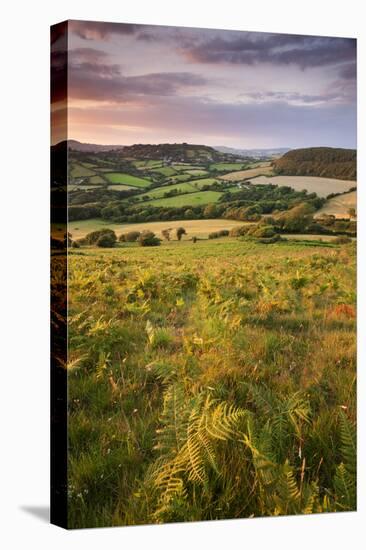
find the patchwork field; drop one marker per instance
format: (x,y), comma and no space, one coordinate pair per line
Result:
(159,192)
(121,187)
(228,166)
(339,206)
(127,179)
(198,184)
(197,172)
(97,179)
(321,186)
(246,174)
(164,170)
(192,199)
(79,171)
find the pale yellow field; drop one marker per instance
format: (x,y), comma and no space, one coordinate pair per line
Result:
(265,168)
(198,228)
(339,206)
(305,237)
(321,186)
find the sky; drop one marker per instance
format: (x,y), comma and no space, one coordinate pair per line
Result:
(151,84)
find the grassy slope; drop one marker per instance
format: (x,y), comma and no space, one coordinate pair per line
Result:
(321,186)
(229,313)
(192,199)
(339,206)
(228,166)
(79,171)
(245,174)
(120,177)
(158,192)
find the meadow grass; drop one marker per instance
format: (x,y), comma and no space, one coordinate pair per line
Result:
(96,179)
(228,166)
(159,192)
(164,170)
(79,170)
(210,380)
(191,199)
(120,177)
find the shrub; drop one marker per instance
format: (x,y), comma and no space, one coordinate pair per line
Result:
(239,231)
(166,233)
(262,231)
(194,239)
(342,240)
(106,241)
(130,237)
(75,244)
(180,232)
(269,240)
(94,236)
(148,238)
(224,233)
(213,235)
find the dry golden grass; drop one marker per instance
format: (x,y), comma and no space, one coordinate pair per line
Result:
(339,206)
(198,228)
(265,169)
(321,186)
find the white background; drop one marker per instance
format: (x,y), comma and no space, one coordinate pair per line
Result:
(24,215)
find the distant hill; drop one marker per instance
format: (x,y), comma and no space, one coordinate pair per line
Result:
(176,152)
(325,162)
(253,153)
(91,147)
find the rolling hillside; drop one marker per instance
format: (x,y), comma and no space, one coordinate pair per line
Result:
(176,152)
(318,161)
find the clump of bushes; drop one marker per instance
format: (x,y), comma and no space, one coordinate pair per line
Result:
(239,231)
(218,234)
(148,238)
(342,240)
(106,241)
(265,234)
(262,231)
(105,238)
(130,237)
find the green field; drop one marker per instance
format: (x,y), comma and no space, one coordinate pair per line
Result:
(180,177)
(185,167)
(198,184)
(127,179)
(97,179)
(164,170)
(78,171)
(121,187)
(228,166)
(86,187)
(158,192)
(197,172)
(211,380)
(191,199)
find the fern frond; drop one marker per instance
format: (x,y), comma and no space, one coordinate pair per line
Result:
(172,434)
(345,488)
(348,441)
(165,372)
